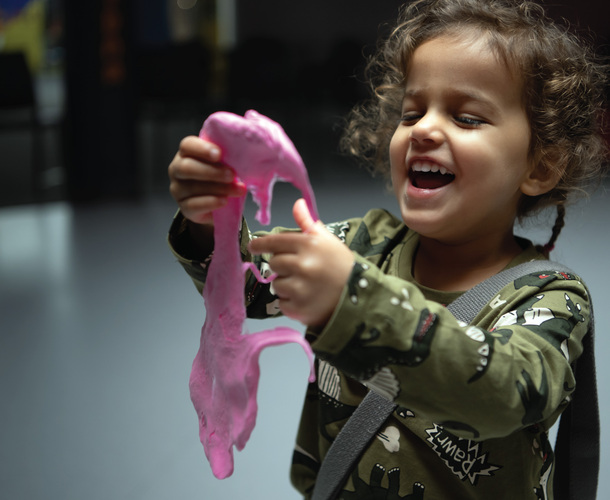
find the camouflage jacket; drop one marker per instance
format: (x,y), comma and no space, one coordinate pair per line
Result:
(475,402)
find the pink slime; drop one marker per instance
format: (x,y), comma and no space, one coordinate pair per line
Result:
(225,372)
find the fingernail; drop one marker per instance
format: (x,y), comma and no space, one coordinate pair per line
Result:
(214,153)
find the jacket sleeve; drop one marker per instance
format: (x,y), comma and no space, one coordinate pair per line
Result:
(510,370)
(183,249)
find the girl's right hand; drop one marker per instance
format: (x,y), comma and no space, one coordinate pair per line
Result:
(199,182)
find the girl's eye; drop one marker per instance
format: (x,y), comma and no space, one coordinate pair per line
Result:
(469,121)
(409,118)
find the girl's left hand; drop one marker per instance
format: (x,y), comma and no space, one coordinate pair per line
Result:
(312,268)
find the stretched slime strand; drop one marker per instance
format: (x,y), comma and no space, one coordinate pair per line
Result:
(225,372)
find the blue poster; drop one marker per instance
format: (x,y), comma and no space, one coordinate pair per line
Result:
(10,8)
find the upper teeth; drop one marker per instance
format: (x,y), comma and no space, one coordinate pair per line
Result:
(420,166)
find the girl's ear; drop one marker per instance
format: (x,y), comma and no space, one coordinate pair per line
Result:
(544,175)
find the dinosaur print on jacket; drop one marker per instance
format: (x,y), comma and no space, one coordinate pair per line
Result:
(543,322)
(534,399)
(362,360)
(545,449)
(362,245)
(541,280)
(487,349)
(375,491)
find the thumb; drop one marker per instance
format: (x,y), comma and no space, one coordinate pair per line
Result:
(303,218)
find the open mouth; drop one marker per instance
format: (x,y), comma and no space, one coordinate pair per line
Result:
(424,175)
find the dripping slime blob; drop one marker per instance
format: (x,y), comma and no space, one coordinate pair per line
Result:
(225,372)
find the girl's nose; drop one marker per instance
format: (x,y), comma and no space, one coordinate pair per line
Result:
(427,130)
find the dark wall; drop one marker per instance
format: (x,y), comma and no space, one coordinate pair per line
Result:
(315,26)
(305,50)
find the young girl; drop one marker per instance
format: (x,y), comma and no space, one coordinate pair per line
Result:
(483,112)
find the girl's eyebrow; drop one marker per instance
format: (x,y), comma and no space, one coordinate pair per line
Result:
(458,95)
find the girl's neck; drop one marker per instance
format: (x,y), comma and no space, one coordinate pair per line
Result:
(459,267)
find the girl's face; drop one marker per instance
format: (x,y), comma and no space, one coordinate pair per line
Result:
(459,156)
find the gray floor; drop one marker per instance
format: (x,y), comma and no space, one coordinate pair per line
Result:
(98,327)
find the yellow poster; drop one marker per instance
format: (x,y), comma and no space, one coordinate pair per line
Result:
(25,32)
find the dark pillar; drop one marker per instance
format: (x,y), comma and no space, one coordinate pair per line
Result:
(100,117)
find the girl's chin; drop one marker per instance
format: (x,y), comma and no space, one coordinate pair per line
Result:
(430,223)
(422,226)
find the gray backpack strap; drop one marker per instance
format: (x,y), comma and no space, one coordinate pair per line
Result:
(356,434)
(374,410)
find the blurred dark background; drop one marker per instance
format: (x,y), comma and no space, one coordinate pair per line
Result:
(95,95)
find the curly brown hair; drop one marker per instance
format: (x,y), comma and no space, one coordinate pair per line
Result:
(564,87)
